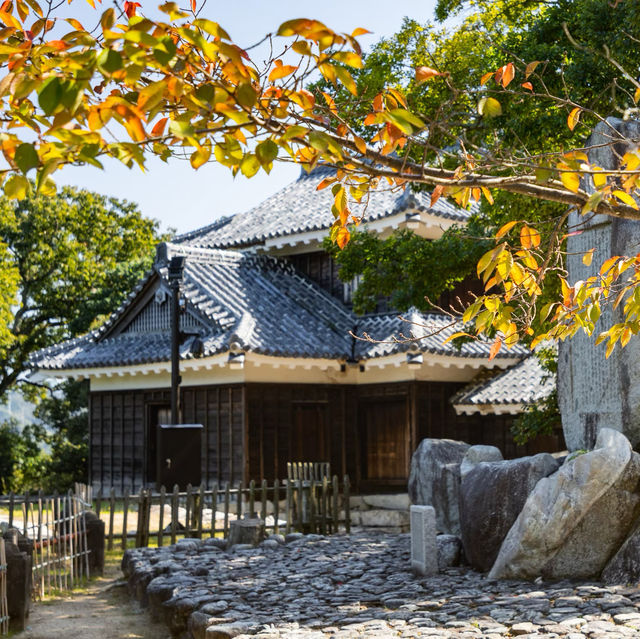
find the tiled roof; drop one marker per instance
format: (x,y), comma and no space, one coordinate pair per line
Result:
(300,208)
(525,383)
(432,328)
(263,305)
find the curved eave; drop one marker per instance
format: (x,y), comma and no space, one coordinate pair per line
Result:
(489,409)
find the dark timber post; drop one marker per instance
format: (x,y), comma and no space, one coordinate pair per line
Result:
(176,268)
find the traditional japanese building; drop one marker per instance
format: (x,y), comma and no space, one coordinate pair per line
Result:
(269,363)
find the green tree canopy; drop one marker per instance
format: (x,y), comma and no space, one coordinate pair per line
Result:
(65,261)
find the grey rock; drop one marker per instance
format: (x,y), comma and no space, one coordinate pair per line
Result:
(491,498)
(624,567)
(226,631)
(594,391)
(270,543)
(449,551)
(479,453)
(387,518)
(434,480)
(424,549)
(246,531)
(574,520)
(295,536)
(278,537)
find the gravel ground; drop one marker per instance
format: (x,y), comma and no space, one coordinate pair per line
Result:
(360,586)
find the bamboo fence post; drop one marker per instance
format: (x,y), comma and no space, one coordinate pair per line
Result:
(263,502)
(347,506)
(163,491)
(71,544)
(200,509)
(252,498)
(12,498)
(46,512)
(99,503)
(140,522)
(125,518)
(336,512)
(240,499)
(323,506)
(289,514)
(214,508)
(187,519)
(276,504)
(40,560)
(313,506)
(174,513)
(4,609)
(226,510)
(25,513)
(112,507)
(300,506)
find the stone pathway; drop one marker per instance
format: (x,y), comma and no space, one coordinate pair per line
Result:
(360,586)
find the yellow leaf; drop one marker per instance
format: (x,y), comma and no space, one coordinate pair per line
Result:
(588,257)
(361,145)
(573,118)
(489,107)
(531,67)
(626,198)
(281,71)
(571,181)
(505,229)
(200,156)
(455,336)
(599,179)
(636,95)
(487,194)
(529,237)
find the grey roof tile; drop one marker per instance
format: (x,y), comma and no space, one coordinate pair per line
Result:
(525,383)
(300,208)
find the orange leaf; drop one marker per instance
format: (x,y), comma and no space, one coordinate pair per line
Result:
(436,193)
(378,102)
(527,85)
(486,77)
(370,119)
(361,145)
(573,118)
(426,73)
(193,5)
(281,71)
(342,238)
(359,31)
(158,127)
(495,348)
(325,183)
(508,73)
(487,194)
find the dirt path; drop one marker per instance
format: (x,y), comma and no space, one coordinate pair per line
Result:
(101,611)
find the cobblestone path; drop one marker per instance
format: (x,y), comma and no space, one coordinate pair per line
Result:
(361,586)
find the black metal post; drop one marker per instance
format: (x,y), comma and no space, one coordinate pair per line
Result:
(176,269)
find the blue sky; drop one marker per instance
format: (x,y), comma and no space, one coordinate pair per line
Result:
(185,199)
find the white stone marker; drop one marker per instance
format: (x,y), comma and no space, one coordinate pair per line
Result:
(424,549)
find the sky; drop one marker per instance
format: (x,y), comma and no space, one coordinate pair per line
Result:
(184,199)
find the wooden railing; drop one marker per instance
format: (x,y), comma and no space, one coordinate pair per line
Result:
(4,609)
(56,526)
(161,517)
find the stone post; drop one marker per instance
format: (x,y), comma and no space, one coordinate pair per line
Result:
(246,531)
(424,548)
(18,581)
(595,392)
(95,542)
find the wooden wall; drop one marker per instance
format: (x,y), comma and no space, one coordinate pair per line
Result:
(251,431)
(119,422)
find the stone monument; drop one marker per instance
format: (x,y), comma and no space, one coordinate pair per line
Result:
(595,392)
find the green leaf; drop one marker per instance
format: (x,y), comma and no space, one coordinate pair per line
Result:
(165,50)
(109,60)
(180,128)
(26,157)
(246,95)
(50,95)
(267,152)
(406,116)
(17,187)
(489,107)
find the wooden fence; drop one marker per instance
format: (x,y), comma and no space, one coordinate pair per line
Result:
(57,528)
(4,609)
(320,506)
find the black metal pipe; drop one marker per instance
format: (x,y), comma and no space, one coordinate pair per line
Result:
(176,269)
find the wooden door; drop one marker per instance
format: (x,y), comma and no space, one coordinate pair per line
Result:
(308,441)
(385,439)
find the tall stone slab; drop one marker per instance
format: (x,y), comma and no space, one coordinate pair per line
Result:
(595,392)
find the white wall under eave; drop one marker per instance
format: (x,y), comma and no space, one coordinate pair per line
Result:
(287,371)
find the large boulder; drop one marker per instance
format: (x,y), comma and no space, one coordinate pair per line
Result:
(477,454)
(624,567)
(434,480)
(576,519)
(491,498)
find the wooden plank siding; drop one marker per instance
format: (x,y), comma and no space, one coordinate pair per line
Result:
(251,431)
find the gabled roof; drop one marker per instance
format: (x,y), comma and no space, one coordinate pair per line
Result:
(300,208)
(523,384)
(258,304)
